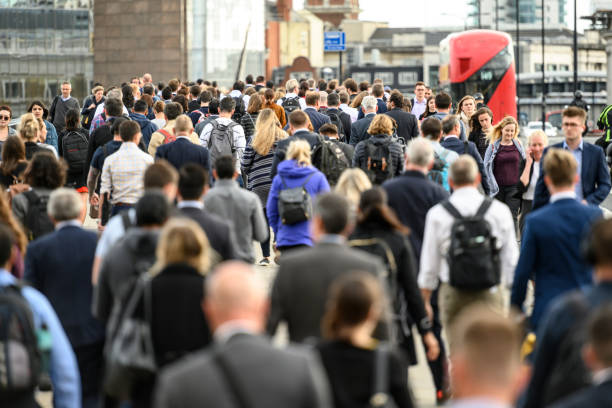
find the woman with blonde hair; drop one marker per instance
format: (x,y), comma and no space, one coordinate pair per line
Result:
(295,172)
(257,163)
(465,109)
(176,288)
(29,130)
(351,184)
(503,164)
(379,169)
(358,99)
(536,143)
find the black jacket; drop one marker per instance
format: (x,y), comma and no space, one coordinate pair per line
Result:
(345,119)
(458,146)
(183,151)
(360,157)
(99,137)
(359,129)
(411,195)
(479,138)
(407,126)
(218,231)
(283,145)
(31,148)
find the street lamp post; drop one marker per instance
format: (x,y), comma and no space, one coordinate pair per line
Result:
(575,48)
(518,63)
(543,75)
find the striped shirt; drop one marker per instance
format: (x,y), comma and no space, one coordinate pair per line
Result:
(257,168)
(123,173)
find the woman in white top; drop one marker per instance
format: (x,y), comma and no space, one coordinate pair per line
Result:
(536,142)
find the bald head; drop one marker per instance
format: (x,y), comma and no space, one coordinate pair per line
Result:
(234,292)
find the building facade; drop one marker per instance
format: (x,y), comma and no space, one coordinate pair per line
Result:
(502,13)
(42,43)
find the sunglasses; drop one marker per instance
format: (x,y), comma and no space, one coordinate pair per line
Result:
(5,117)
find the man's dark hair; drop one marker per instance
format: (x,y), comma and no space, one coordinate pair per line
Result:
(45,171)
(195,91)
(6,244)
(333,210)
(600,334)
(298,118)
(213,106)
(159,175)
(397,99)
(152,209)
(600,242)
(322,85)
(117,123)
(260,78)
(192,180)
(128,130)
(227,104)
(333,100)
(181,100)
(199,81)
(351,85)
(443,100)
(128,97)
(249,79)
(312,98)
(166,93)
(378,91)
(225,167)
(205,97)
(328,129)
(113,107)
(269,84)
(160,86)
(238,86)
(431,128)
(173,110)
(141,106)
(72,119)
(363,86)
(148,89)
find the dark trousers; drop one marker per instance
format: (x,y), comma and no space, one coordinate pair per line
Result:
(265,246)
(91,365)
(511,196)
(526,206)
(438,367)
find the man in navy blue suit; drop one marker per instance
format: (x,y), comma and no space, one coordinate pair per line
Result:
(312,110)
(183,150)
(59,266)
(550,248)
(594,179)
(451,126)
(378,91)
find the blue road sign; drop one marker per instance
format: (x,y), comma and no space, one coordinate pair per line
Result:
(334,41)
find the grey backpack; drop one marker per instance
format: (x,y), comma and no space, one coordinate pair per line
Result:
(221,141)
(294,204)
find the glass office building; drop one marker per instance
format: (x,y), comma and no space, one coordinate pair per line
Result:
(42,43)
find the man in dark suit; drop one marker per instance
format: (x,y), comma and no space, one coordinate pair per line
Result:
(312,110)
(333,103)
(302,284)
(378,91)
(183,150)
(597,358)
(411,196)
(594,184)
(59,266)
(550,253)
(566,317)
(298,128)
(193,185)
(407,125)
(359,129)
(230,374)
(451,126)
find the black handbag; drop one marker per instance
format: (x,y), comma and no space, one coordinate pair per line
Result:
(131,357)
(380,388)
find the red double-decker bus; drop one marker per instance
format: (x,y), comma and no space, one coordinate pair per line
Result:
(480,61)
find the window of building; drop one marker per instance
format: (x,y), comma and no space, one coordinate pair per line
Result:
(387,77)
(538,67)
(551,67)
(13,90)
(598,66)
(563,67)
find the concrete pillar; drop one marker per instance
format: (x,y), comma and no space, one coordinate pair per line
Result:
(608,37)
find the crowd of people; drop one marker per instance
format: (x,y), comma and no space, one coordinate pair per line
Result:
(386,215)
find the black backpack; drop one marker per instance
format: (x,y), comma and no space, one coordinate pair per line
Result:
(379,165)
(295,204)
(37,221)
(240,109)
(568,372)
(74,146)
(291,105)
(335,120)
(21,365)
(473,256)
(329,158)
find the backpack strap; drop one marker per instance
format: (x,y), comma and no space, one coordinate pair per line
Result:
(308,179)
(484,207)
(380,393)
(465,147)
(126,220)
(451,209)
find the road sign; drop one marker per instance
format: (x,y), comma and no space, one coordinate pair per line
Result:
(334,41)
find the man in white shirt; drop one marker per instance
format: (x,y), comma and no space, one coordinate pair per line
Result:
(292,88)
(464,179)
(419,102)
(344,100)
(226,110)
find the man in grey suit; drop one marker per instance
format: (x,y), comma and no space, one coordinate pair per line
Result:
(229,375)
(300,290)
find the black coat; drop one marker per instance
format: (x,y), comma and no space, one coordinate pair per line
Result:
(345,119)
(218,231)
(407,126)
(359,130)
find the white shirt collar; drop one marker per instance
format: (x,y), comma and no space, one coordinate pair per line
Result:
(190,204)
(69,223)
(563,195)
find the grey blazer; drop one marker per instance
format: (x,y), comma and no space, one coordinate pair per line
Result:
(266,376)
(300,290)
